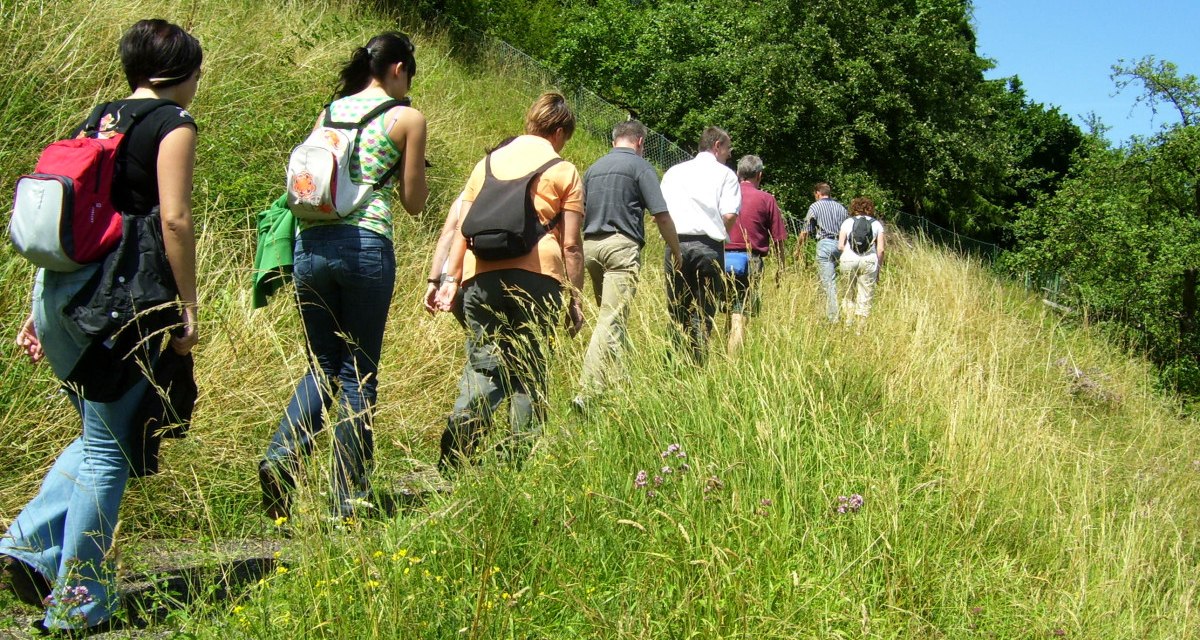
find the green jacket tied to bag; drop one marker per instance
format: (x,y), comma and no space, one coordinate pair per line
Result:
(273,257)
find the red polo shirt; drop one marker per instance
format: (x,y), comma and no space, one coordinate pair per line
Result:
(759,222)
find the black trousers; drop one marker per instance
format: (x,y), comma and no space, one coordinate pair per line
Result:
(694,291)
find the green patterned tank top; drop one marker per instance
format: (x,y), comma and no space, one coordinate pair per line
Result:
(376,154)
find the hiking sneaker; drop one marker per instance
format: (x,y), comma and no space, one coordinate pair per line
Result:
(275,484)
(27,583)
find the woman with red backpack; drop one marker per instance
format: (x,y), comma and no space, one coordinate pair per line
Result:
(56,552)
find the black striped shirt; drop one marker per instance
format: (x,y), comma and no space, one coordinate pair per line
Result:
(826,215)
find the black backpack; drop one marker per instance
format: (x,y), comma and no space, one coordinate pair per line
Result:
(502,222)
(861,236)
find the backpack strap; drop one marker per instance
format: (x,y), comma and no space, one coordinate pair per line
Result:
(385,106)
(537,174)
(93,122)
(127,118)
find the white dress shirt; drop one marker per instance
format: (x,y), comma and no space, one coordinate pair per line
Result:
(698,193)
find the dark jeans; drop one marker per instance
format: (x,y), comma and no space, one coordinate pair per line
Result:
(508,314)
(694,291)
(344,280)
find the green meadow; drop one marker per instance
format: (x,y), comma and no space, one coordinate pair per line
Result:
(1020,476)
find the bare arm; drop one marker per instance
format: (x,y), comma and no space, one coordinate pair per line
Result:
(408,132)
(879,247)
(454,263)
(176,162)
(841,239)
(666,227)
(729,219)
(440,253)
(572,248)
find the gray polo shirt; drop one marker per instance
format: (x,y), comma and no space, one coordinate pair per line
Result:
(618,189)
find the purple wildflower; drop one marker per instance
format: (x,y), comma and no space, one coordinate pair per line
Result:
(851,504)
(766,502)
(684,468)
(640,480)
(658,480)
(652,494)
(667,470)
(671,448)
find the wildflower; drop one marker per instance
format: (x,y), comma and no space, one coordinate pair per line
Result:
(69,597)
(373,584)
(280,521)
(280,570)
(402,552)
(658,480)
(377,554)
(640,480)
(667,470)
(671,448)
(849,504)
(766,502)
(713,484)
(684,468)
(652,494)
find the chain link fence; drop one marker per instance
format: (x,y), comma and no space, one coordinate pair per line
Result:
(592,113)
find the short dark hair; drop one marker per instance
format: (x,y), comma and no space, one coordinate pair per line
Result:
(823,189)
(160,54)
(631,130)
(711,136)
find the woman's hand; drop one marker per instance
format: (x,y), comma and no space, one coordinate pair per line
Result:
(574,317)
(191,333)
(445,295)
(431,304)
(28,341)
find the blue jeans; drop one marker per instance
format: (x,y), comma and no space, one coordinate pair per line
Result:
(66,531)
(344,279)
(827,261)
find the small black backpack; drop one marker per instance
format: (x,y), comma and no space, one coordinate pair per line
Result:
(861,235)
(502,222)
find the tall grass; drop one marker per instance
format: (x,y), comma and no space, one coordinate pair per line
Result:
(1020,478)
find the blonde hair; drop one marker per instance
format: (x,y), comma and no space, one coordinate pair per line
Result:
(548,114)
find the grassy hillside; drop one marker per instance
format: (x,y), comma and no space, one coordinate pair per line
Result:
(1019,478)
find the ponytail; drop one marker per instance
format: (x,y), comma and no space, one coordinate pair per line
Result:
(356,74)
(373,61)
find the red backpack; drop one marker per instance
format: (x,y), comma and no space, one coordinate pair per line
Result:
(63,216)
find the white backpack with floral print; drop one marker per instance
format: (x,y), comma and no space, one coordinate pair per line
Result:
(319,186)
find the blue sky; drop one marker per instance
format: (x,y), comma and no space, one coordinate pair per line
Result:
(1063,51)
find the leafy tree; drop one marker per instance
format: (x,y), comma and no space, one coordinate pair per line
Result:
(1124,229)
